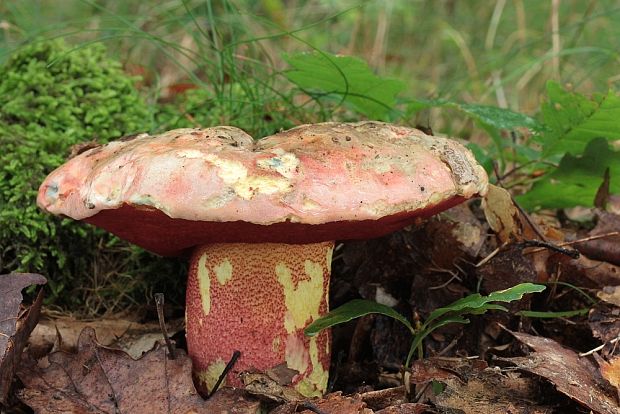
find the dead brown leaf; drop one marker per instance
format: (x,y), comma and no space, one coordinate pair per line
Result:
(101,380)
(407,408)
(605,249)
(502,215)
(610,370)
(15,327)
(263,386)
(573,376)
(610,294)
(604,322)
(586,272)
(388,397)
(331,403)
(472,387)
(130,336)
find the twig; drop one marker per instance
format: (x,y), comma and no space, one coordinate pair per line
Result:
(585,239)
(312,407)
(598,348)
(574,254)
(227,368)
(453,276)
(159,302)
(489,256)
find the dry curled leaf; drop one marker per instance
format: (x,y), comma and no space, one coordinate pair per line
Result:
(610,370)
(502,214)
(605,248)
(473,388)
(15,326)
(265,387)
(101,380)
(62,333)
(610,294)
(573,376)
(331,403)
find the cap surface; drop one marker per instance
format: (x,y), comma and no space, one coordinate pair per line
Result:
(312,183)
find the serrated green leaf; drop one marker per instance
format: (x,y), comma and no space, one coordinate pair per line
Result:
(346,77)
(499,118)
(470,303)
(573,120)
(351,310)
(576,180)
(493,116)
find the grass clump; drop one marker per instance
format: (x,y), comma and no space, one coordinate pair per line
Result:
(52,98)
(254,108)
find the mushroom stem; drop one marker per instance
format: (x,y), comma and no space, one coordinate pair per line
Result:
(257,299)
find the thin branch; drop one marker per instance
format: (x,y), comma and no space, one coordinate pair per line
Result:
(159,302)
(229,366)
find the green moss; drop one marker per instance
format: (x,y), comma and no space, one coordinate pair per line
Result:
(52,97)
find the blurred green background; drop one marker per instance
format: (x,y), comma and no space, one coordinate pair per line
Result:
(495,52)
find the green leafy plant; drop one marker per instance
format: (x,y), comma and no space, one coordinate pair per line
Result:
(569,147)
(456,312)
(578,132)
(344,80)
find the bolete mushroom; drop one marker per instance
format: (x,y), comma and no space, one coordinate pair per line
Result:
(260,219)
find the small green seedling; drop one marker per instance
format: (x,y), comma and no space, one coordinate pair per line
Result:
(474,304)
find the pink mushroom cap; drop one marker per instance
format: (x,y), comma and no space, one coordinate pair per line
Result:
(332,181)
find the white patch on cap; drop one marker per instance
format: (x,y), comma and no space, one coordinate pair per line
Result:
(190,153)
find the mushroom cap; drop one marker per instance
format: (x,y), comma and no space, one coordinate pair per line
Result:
(313,183)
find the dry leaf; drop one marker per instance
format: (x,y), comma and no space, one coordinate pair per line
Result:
(101,380)
(586,272)
(15,328)
(407,408)
(388,397)
(473,388)
(610,294)
(573,376)
(610,370)
(606,249)
(502,215)
(264,387)
(335,403)
(129,336)
(604,322)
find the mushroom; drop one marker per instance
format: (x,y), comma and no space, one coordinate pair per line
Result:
(260,219)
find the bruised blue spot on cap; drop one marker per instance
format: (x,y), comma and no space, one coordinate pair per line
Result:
(51,191)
